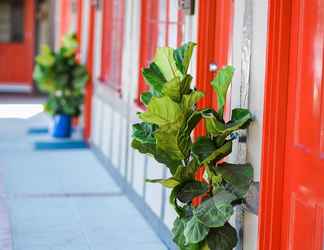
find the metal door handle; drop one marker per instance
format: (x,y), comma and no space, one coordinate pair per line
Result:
(212,67)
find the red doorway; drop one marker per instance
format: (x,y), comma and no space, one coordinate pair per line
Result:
(17,43)
(292,196)
(214,44)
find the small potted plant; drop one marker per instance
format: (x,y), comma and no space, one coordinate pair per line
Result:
(165,134)
(63,78)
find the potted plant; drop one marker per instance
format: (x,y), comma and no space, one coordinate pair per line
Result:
(63,78)
(165,133)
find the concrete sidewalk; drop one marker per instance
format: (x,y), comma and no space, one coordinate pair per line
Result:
(61,199)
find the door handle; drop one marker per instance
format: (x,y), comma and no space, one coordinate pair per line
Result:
(213,67)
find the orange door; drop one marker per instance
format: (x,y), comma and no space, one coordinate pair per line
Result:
(303,201)
(16,41)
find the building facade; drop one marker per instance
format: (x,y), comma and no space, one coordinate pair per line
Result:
(277,49)
(125,36)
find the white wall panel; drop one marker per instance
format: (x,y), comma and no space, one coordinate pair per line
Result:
(106,130)
(123,146)
(116,140)
(130,156)
(138,172)
(236,61)
(93,119)
(153,195)
(85,31)
(260,11)
(97,115)
(169,213)
(97,44)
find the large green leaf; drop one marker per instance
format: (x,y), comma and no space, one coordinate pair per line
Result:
(172,89)
(178,235)
(46,57)
(69,45)
(240,120)
(159,155)
(205,150)
(195,231)
(164,59)
(154,77)
(143,132)
(167,140)
(214,125)
(190,190)
(188,101)
(45,83)
(146,98)
(70,41)
(184,134)
(185,85)
(222,238)
(182,174)
(215,211)
(237,176)
(221,84)
(161,111)
(183,55)
(177,231)
(186,173)
(176,137)
(80,76)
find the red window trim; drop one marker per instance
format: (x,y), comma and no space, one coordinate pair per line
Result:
(79,6)
(89,65)
(65,14)
(106,50)
(143,58)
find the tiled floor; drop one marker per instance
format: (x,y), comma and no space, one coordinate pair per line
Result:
(61,199)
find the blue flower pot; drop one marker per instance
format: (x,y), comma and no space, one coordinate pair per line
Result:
(62,126)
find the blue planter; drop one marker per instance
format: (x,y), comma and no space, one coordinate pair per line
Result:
(62,126)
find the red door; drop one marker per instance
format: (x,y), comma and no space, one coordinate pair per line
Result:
(16,42)
(303,201)
(214,43)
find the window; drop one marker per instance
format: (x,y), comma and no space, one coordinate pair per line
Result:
(162,24)
(112,45)
(11,21)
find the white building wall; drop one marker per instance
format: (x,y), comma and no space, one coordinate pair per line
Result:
(255,94)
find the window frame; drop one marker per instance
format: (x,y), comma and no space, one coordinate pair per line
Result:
(108,18)
(146,39)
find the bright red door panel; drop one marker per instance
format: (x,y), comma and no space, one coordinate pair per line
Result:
(303,211)
(16,42)
(214,43)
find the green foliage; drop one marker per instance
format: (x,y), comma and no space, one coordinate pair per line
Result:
(165,134)
(60,76)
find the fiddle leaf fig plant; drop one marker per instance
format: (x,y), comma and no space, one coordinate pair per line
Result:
(62,77)
(165,133)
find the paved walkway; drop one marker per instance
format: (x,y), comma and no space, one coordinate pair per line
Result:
(60,199)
